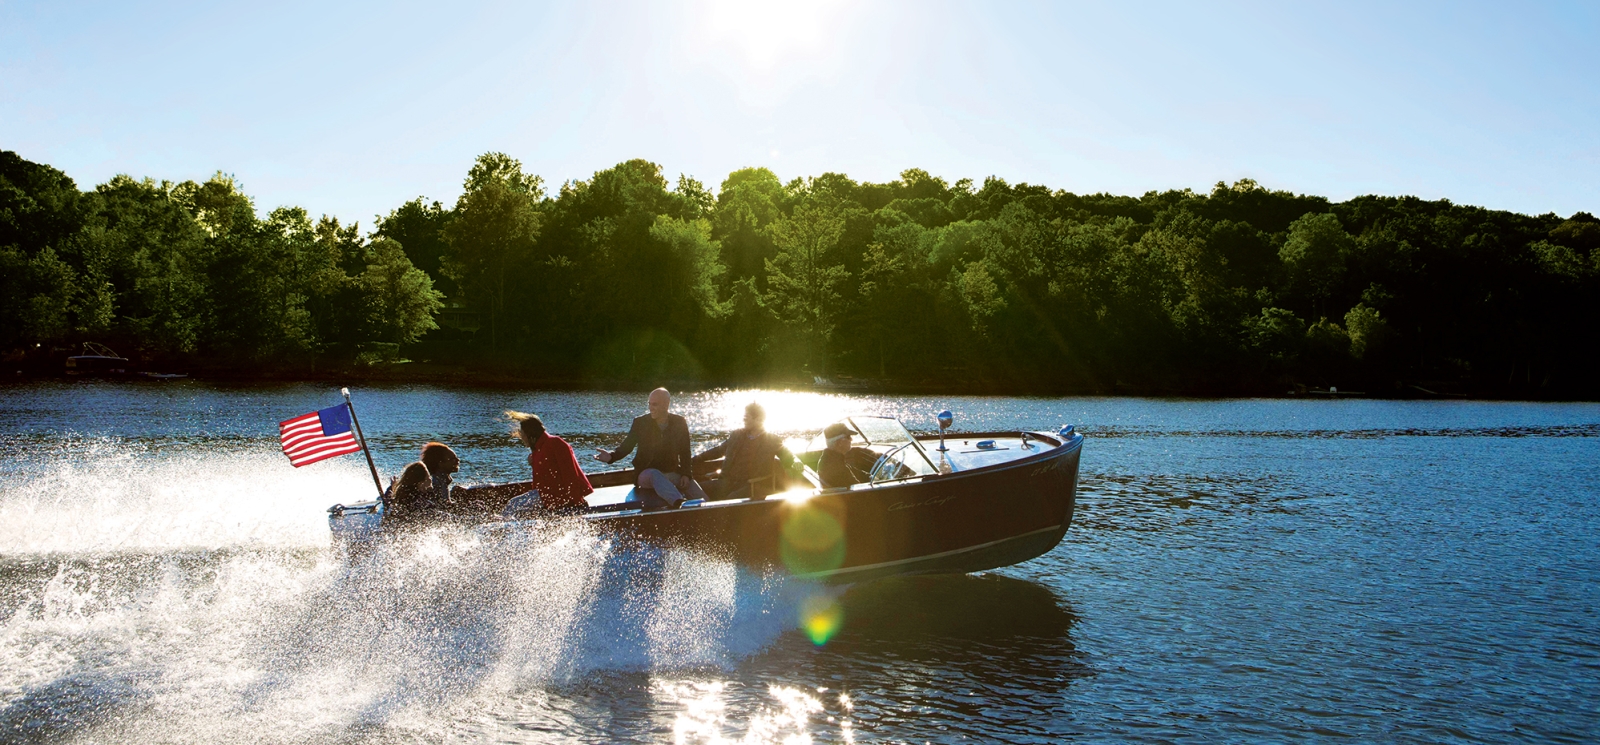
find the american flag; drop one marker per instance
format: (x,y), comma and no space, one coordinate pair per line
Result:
(318,436)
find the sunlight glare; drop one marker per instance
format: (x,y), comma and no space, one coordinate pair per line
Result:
(787,411)
(766,31)
(796,496)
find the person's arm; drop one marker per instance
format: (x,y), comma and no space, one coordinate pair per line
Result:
(790,464)
(539,462)
(683,459)
(786,458)
(861,461)
(626,447)
(580,480)
(713,453)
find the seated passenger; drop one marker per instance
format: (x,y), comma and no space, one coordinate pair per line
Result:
(409,501)
(842,465)
(747,456)
(663,464)
(441,462)
(559,484)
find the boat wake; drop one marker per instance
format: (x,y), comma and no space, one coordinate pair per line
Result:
(78,495)
(125,629)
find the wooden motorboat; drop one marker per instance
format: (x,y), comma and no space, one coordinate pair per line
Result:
(969,503)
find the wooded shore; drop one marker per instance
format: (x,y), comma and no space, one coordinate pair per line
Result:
(916,285)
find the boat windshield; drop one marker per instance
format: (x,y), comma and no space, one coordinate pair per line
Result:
(879,430)
(889,438)
(876,432)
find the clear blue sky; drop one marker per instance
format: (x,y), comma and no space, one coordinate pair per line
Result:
(352,109)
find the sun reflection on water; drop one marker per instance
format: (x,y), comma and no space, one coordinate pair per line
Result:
(790,716)
(787,411)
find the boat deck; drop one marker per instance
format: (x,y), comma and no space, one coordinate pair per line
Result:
(966,454)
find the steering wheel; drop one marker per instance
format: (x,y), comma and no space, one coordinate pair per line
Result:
(890,467)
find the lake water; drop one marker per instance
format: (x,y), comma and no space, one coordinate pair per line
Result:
(1237,571)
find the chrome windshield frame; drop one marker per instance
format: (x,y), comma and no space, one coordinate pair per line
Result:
(896,444)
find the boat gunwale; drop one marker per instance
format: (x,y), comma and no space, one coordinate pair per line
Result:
(1061,447)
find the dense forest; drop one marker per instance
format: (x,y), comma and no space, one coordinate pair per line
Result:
(626,278)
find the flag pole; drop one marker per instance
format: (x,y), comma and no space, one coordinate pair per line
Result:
(353,420)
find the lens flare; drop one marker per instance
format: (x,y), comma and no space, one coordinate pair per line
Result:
(795,496)
(821,615)
(812,540)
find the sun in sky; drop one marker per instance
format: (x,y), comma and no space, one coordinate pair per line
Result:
(764,34)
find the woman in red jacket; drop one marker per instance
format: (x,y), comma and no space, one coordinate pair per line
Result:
(559,484)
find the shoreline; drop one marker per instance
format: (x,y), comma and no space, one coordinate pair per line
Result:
(423,373)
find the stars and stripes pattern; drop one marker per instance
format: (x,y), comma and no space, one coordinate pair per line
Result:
(318,436)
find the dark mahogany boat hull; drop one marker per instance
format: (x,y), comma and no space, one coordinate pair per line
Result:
(1012,508)
(967,521)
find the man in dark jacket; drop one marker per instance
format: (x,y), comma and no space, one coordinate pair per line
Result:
(663,462)
(748,456)
(842,465)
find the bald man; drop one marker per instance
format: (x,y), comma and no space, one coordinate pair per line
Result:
(663,462)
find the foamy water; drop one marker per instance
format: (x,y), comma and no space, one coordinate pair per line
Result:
(186,594)
(292,646)
(105,494)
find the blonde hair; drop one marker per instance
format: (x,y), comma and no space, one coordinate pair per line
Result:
(528,426)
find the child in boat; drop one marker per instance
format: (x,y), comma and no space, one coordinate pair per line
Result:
(559,484)
(441,462)
(409,502)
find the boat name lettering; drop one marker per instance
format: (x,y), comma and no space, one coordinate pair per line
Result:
(931,502)
(1046,468)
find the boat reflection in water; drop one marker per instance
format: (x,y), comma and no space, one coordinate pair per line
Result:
(984,501)
(950,656)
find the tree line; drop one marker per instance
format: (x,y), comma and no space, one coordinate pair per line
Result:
(627,277)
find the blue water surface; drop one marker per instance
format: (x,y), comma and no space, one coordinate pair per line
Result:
(1237,571)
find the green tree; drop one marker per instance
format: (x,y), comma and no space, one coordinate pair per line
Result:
(503,170)
(158,264)
(749,200)
(419,225)
(40,295)
(287,270)
(493,235)
(695,257)
(1278,334)
(700,202)
(1315,255)
(44,297)
(897,285)
(802,287)
(623,266)
(402,298)
(249,307)
(1367,331)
